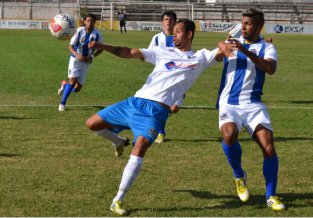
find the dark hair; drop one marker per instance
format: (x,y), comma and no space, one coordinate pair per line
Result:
(189,26)
(90,15)
(257,15)
(170,14)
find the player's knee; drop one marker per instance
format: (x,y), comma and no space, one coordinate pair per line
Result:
(269,151)
(229,138)
(90,124)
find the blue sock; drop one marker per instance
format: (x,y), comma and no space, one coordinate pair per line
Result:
(233,154)
(66,93)
(162,131)
(270,172)
(74,90)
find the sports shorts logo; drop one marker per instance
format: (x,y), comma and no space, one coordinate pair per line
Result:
(223,116)
(153,133)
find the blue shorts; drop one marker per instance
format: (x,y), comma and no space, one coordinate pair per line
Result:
(144,117)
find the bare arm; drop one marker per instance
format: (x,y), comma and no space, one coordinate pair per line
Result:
(225,50)
(268,65)
(123,52)
(78,56)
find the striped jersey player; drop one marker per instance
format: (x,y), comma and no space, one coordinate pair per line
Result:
(80,58)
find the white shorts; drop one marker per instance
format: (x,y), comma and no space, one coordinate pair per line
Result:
(77,69)
(247,115)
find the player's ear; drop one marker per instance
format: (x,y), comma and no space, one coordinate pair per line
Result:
(189,34)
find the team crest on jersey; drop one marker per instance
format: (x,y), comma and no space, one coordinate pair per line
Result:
(254,51)
(153,132)
(223,116)
(170,65)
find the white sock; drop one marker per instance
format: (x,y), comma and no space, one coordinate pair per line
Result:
(113,137)
(130,173)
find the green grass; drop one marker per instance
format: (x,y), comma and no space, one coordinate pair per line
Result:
(52,165)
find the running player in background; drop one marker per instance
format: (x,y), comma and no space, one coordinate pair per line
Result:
(176,70)
(166,38)
(248,60)
(80,59)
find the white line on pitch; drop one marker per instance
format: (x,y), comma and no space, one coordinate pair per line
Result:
(183,107)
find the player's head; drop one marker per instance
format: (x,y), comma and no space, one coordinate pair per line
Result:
(168,22)
(171,14)
(184,31)
(252,23)
(89,21)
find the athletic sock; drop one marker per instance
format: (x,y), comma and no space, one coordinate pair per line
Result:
(74,90)
(270,172)
(233,154)
(66,93)
(130,173)
(113,137)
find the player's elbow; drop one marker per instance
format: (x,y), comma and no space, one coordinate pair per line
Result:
(271,70)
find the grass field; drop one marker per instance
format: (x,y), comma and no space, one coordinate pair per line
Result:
(52,165)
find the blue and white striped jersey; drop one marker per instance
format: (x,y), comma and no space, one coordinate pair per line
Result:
(242,81)
(81,39)
(161,39)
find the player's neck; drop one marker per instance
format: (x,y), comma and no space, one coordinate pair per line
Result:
(88,30)
(168,33)
(253,39)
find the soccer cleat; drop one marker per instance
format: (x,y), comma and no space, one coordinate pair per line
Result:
(242,189)
(116,207)
(160,138)
(119,149)
(275,203)
(61,107)
(61,89)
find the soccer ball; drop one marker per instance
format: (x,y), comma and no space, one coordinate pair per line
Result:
(62,26)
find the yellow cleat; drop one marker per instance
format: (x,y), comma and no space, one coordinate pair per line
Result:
(116,207)
(275,203)
(160,138)
(242,189)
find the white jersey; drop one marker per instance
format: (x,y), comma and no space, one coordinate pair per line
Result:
(242,81)
(81,39)
(161,39)
(174,73)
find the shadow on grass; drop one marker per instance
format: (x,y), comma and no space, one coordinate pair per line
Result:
(300,102)
(14,118)
(233,202)
(8,155)
(219,139)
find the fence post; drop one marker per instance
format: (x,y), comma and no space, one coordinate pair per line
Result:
(30,15)
(111,17)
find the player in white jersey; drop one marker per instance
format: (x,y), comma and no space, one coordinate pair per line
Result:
(80,59)
(248,60)
(176,69)
(166,38)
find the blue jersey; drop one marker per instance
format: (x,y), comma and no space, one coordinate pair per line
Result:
(161,39)
(242,81)
(81,39)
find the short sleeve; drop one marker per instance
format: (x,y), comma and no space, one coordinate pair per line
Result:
(149,54)
(270,52)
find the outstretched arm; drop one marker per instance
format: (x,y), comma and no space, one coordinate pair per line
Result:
(123,52)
